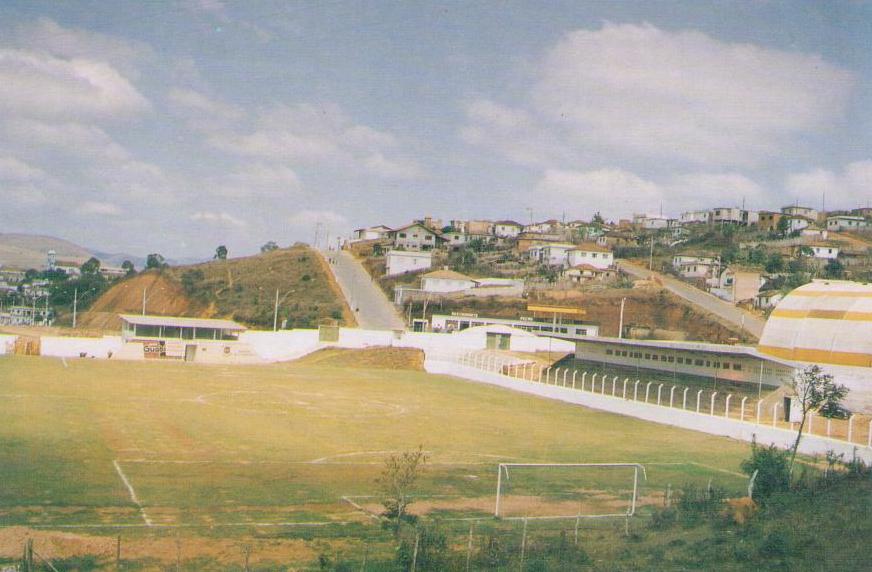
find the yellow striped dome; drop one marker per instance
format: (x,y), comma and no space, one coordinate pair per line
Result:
(825,322)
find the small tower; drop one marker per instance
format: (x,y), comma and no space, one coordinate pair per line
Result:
(52,260)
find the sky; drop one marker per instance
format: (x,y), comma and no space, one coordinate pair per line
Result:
(174,127)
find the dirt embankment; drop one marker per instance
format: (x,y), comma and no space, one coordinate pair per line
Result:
(645,308)
(163,296)
(369,358)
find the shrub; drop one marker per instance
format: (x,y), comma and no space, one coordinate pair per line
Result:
(773,471)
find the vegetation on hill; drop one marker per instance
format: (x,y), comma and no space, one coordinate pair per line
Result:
(243,289)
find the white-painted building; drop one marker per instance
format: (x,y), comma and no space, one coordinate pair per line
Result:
(695,217)
(377,232)
(402,261)
(650,221)
(459,322)
(587,273)
(446,281)
(550,254)
(824,251)
(846,222)
(796,210)
(796,223)
(415,237)
(507,229)
(455,239)
(690,266)
(733,215)
(592,254)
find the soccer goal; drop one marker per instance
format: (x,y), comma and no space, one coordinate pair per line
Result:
(567,490)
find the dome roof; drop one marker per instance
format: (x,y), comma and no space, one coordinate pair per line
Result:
(824,322)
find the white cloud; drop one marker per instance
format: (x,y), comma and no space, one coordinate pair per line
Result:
(98,208)
(41,85)
(12,169)
(259,180)
(219,218)
(308,218)
(848,189)
(701,190)
(644,92)
(203,112)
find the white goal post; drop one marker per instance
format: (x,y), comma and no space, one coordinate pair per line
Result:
(503,468)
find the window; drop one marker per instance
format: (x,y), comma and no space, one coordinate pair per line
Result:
(737,366)
(680,360)
(670,359)
(647,356)
(609,352)
(402,235)
(698,362)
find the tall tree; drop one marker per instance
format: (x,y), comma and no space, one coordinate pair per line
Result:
(397,481)
(155,260)
(92,266)
(815,390)
(221,253)
(128,267)
(269,246)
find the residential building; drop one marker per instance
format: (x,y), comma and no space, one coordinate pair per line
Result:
(865,212)
(736,285)
(846,222)
(733,215)
(796,210)
(446,281)
(588,273)
(551,253)
(479,228)
(695,217)
(455,239)
(591,254)
(415,236)
(650,221)
(112,272)
(768,299)
(769,220)
(527,240)
(548,226)
(795,223)
(431,223)
(403,261)
(377,232)
(537,325)
(12,275)
(822,250)
(706,268)
(507,229)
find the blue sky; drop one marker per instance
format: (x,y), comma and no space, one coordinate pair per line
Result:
(177,126)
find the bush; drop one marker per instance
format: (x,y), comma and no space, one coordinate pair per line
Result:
(433,553)
(773,471)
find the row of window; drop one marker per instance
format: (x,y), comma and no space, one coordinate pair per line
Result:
(679,360)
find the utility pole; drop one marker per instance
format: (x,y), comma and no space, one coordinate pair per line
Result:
(621,321)
(651,255)
(276,312)
(143,301)
(75,304)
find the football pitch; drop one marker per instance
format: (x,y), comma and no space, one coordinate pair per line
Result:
(88,443)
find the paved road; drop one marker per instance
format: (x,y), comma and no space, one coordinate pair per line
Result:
(374,310)
(724,310)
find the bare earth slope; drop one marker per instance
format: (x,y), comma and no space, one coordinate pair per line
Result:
(29,250)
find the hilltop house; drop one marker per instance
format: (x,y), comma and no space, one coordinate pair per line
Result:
(446,281)
(550,254)
(805,212)
(588,273)
(507,229)
(846,222)
(415,236)
(402,261)
(695,217)
(377,232)
(697,267)
(650,221)
(768,221)
(590,254)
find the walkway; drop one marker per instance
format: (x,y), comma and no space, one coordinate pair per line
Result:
(373,309)
(708,302)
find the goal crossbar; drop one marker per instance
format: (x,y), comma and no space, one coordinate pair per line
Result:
(631,509)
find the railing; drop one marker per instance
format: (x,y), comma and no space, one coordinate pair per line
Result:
(855,430)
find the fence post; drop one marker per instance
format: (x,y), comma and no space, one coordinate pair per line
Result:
(742,412)
(624,395)
(636,391)
(415,551)
(714,394)
(850,428)
(565,372)
(540,374)
(614,383)
(829,425)
(671,395)
(775,414)
(469,547)
(647,390)
(574,374)
(593,383)
(810,417)
(523,543)
(583,377)
(727,406)
(698,398)
(547,374)
(684,398)
(759,406)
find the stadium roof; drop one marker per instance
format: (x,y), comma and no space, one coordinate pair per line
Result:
(182,322)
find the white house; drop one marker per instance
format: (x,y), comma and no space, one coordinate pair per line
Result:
(650,221)
(542,227)
(796,210)
(415,237)
(402,261)
(550,254)
(455,240)
(694,217)
(587,273)
(795,223)
(767,299)
(689,266)
(846,222)
(734,215)
(507,229)
(446,281)
(377,232)
(591,254)
(824,251)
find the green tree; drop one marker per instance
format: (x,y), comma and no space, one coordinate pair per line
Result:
(783,225)
(775,263)
(834,269)
(815,390)
(128,267)
(397,480)
(155,261)
(269,246)
(221,253)
(92,266)
(598,219)
(773,471)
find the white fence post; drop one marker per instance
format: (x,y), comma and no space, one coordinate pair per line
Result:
(698,398)
(671,395)
(593,383)
(829,425)
(727,406)
(614,383)
(636,391)
(583,377)
(759,405)
(565,371)
(684,399)
(775,414)
(659,388)
(574,374)
(624,394)
(603,385)
(742,412)
(714,394)
(850,428)
(647,388)
(547,374)
(540,374)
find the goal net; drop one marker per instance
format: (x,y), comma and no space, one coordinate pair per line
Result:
(573,490)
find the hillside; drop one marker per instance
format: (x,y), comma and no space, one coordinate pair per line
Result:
(239,288)
(30,250)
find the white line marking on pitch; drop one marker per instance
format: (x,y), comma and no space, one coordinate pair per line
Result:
(133,496)
(64,360)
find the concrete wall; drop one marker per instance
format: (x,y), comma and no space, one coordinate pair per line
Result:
(7,343)
(58,346)
(714,425)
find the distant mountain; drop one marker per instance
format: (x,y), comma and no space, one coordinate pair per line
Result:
(30,250)
(117,258)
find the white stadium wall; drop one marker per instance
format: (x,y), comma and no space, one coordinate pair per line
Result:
(7,344)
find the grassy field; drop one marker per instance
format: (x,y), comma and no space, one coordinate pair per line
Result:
(216,447)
